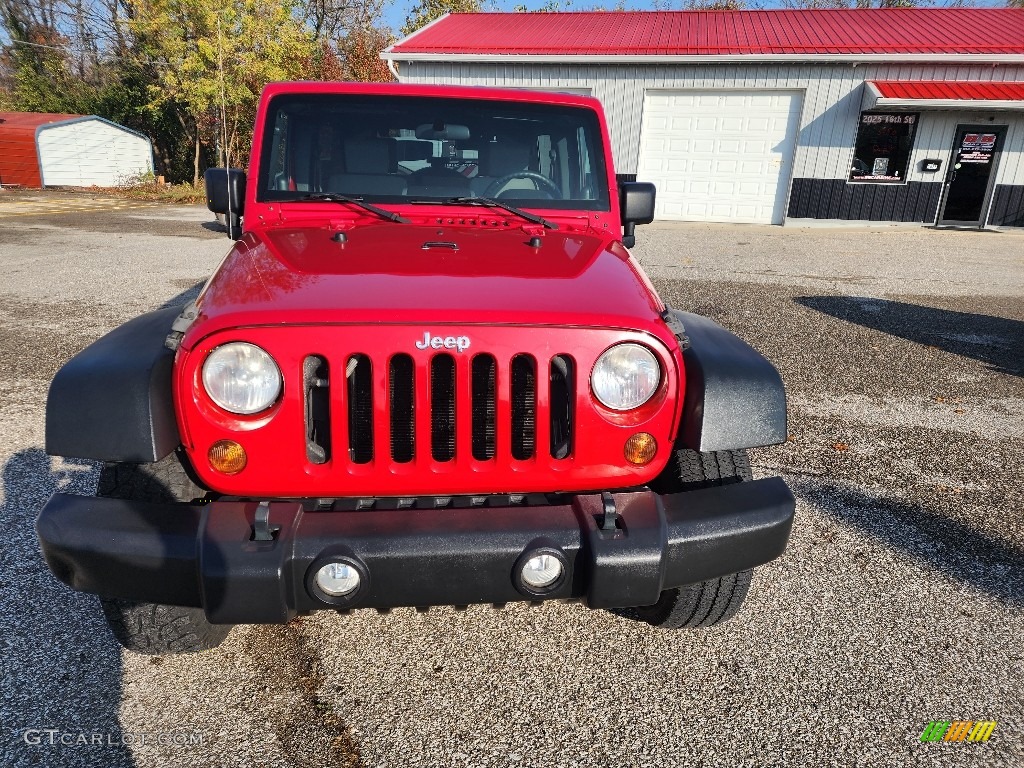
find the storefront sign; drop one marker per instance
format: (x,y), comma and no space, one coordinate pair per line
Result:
(982,141)
(869,119)
(975,157)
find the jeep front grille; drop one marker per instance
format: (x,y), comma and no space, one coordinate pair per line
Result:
(367,411)
(427,390)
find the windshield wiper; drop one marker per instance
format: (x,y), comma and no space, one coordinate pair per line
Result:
(331,197)
(492,203)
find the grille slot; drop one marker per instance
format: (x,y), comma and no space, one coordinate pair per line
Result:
(442,408)
(483,407)
(524,406)
(359,383)
(562,399)
(317,406)
(401,397)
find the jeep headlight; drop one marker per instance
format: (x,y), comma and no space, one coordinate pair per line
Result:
(241,378)
(625,377)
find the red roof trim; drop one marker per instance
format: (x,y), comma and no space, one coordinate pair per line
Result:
(943,90)
(29,121)
(877,31)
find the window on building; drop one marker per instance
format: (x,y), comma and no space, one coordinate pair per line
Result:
(884,143)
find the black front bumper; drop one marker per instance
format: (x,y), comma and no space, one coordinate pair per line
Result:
(206,556)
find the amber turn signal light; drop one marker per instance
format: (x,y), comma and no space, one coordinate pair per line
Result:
(227,456)
(640,448)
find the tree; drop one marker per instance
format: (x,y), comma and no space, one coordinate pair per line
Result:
(425,11)
(332,20)
(214,59)
(360,53)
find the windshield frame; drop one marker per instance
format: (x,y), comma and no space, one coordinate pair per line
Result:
(588,119)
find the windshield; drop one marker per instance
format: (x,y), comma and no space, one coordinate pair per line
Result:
(402,148)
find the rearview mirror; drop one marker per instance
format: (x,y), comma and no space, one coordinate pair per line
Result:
(636,204)
(442,132)
(225,194)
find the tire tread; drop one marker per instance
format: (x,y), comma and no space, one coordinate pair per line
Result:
(710,602)
(150,628)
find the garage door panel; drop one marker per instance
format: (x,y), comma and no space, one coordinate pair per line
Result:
(719,155)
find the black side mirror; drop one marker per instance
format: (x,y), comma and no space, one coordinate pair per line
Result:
(636,203)
(225,194)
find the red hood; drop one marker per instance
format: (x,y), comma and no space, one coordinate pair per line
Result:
(385,273)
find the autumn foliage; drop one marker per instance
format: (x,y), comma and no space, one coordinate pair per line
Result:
(187,73)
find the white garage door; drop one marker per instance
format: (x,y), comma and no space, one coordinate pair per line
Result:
(81,153)
(719,155)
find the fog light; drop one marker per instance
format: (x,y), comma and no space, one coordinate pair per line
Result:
(227,456)
(640,448)
(541,571)
(338,579)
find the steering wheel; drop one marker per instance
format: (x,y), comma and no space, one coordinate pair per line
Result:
(540,181)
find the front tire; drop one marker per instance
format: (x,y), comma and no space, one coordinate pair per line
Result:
(149,628)
(710,602)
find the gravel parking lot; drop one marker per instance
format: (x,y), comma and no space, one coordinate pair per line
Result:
(899,601)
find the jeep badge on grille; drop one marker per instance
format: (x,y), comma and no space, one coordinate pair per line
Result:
(460,343)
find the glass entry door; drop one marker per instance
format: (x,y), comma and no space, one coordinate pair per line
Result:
(970,176)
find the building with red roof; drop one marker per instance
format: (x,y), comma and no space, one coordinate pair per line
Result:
(776,116)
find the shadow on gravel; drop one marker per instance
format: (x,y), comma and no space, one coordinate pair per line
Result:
(995,341)
(61,666)
(957,550)
(183,298)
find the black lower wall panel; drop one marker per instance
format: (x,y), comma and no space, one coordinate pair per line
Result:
(1007,206)
(835,199)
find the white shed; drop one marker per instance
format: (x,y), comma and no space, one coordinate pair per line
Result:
(87,151)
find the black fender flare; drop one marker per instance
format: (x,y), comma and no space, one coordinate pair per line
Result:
(112,401)
(734,397)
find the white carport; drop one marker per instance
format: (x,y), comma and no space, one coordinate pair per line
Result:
(88,151)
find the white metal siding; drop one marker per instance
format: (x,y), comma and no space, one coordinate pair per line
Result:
(831,104)
(91,152)
(719,155)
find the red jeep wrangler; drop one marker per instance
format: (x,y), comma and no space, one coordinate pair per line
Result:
(427,373)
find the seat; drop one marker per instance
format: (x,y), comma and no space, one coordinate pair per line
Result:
(371,167)
(438,181)
(500,158)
